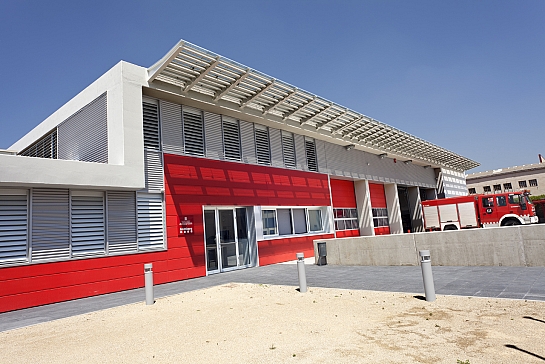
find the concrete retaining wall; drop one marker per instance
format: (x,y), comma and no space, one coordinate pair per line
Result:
(518,246)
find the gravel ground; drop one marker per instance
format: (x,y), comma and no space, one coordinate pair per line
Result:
(276,324)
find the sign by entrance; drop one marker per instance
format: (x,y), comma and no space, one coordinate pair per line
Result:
(185,225)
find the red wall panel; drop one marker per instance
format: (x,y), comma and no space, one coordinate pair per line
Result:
(378,197)
(194,182)
(348,233)
(378,200)
(342,193)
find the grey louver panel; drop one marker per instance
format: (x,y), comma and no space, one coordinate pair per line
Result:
(300,151)
(150,221)
(13,228)
(320,154)
(153,167)
(212,132)
(171,124)
(310,148)
(262,146)
(84,135)
(121,222)
(88,225)
(288,149)
(46,147)
(50,224)
(231,139)
(276,147)
(151,125)
(193,131)
(247,141)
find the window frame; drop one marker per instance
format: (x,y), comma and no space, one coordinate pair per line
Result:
(322,212)
(533,182)
(337,220)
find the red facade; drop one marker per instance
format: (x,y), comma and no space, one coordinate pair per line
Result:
(190,184)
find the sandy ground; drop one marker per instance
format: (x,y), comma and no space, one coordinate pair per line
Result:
(276,324)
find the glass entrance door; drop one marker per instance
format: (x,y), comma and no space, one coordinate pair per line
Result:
(226,239)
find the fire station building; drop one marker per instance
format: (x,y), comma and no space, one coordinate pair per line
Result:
(199,165)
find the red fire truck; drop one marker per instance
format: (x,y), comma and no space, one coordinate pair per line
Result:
(475,211)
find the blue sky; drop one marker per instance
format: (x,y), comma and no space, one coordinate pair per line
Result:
(468,76)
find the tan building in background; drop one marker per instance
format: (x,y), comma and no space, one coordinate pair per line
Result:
(527,177)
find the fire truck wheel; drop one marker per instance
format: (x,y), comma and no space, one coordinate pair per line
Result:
(450,227)
(511,222)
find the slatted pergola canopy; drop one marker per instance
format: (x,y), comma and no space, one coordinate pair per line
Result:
(196,69)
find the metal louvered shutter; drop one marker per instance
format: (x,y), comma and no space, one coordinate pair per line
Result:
(276,147)
(262,145)
(46,147)
(300,155)
(121,222)
(153,169)
(13,226)
(193,131)
(321,156)
(50,224)
(247,141)
(84,135)
(151,125)
(150,221)
(171,128)
(87,223)
(231,139)
(213,137)
(288,149)
(310,149)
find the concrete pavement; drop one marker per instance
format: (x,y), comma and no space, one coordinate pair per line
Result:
(497,282)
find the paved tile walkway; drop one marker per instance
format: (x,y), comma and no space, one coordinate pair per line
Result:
(500,282)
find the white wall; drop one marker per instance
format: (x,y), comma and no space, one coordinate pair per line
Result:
(123,84)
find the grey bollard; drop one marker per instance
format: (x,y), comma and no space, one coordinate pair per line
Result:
(301,272)
(427,276)
(148,275)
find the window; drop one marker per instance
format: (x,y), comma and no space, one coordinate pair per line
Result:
(488,202)
(262,145)
(508,187)
(315,220)
(522,184)
(46,147)
(472,191)
(487,189)
(88,225)
(151,125)
(288,149)
(514,199)
(290,221)
(46,224)
(269,222)
(310,148)
(13,225)
(345,219)
(299,221)
(284,222)
(501,201)
(380,217)
(231,139)
(497,188)
(533,182)
(150,221)
(193,131)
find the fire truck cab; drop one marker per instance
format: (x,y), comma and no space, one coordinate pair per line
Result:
(490,210)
